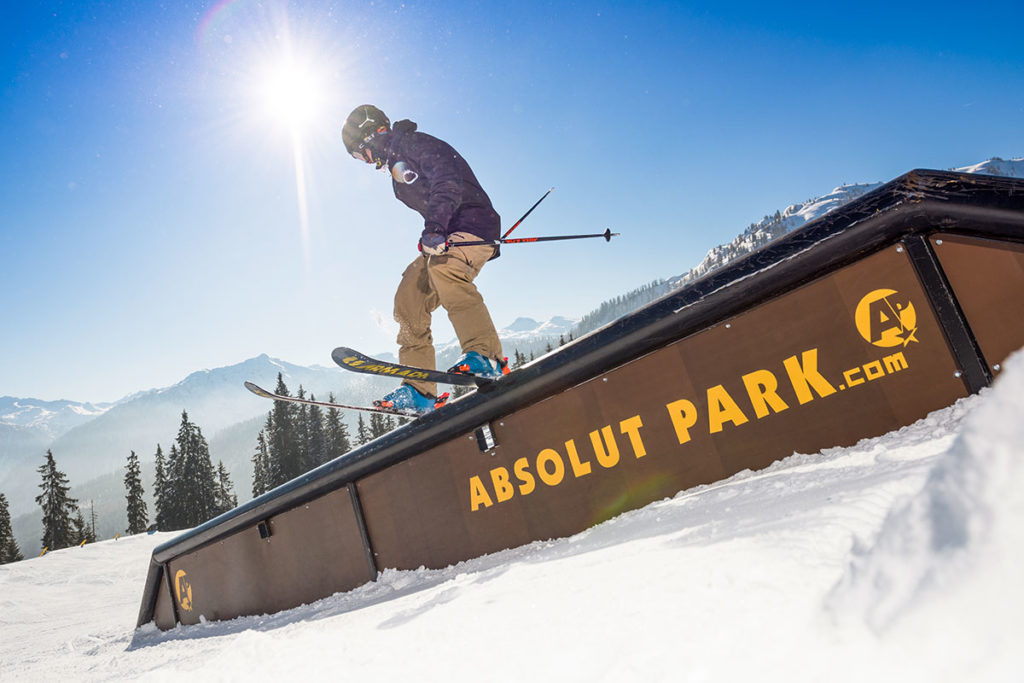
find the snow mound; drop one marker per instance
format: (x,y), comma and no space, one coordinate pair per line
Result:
(1010,168)
(960,538)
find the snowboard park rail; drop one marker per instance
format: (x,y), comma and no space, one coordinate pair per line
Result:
(862,321)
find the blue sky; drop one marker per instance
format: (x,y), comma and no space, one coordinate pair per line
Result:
(161,215)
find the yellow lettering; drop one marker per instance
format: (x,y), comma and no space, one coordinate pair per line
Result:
(609,458)
(478,494)
(804,376)
(502,486)
(895,362)
(762,387)
(874,370)
(522,470)
(631,428)
(722,409)
(578,468)
(849,375)
(549,455)
(684,416)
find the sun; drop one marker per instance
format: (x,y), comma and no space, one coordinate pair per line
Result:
(292,94)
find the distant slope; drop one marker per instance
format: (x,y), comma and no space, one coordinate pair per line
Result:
(759,234)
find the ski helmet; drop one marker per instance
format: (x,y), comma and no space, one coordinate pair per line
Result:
(361,126)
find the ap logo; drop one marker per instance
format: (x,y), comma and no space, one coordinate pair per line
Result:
(184,590)
(886,319)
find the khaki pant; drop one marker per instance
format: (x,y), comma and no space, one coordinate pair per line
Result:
(432,281)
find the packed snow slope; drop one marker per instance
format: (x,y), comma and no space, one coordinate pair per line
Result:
(897,559)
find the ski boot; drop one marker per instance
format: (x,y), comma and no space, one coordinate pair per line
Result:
(473,363)
(410,401)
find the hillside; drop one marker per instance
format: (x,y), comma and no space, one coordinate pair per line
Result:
(892,560)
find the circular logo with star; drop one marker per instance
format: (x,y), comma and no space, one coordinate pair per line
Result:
(886,319)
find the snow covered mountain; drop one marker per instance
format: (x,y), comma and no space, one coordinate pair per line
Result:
(528,329)
(794,216)
(47,418)
(524,335)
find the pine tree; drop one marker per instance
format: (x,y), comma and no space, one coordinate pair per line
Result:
(83,531)
(9,551)
(172,496)
(260,464)
(225,491)
(138,516)
(192,477)
(57,506)
(160,499)
(335,433)
(316,437)
(362,433)
(92,523)
(302,435)
(78,528)
(282,441)
(380,425)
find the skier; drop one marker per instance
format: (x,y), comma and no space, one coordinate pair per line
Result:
(430,177)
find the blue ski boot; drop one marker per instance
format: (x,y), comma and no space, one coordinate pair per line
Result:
(408,400)
(473,363)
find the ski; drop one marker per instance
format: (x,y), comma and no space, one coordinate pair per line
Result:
(260,391)
(350,359)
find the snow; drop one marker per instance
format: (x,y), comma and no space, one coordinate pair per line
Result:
(896,559)
(1012,168)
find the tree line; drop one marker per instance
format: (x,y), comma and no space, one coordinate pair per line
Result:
(297,438)
(188,490)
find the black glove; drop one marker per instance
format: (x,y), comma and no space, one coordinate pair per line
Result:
(433,243)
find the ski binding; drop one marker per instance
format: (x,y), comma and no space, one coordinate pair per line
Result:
(260,391)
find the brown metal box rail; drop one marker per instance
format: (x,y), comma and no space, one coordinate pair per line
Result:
(861,322)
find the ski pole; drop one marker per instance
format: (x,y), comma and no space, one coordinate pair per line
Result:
(509,231)
(607,235)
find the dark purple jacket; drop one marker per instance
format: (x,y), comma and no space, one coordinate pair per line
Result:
(443,190)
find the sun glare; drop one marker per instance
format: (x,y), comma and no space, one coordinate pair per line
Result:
(292,95)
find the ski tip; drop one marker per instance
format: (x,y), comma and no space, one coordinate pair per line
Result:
(259,391)
(343,352)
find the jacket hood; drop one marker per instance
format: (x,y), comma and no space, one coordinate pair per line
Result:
(403,126)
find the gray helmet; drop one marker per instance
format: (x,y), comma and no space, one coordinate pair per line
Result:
(361,126)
